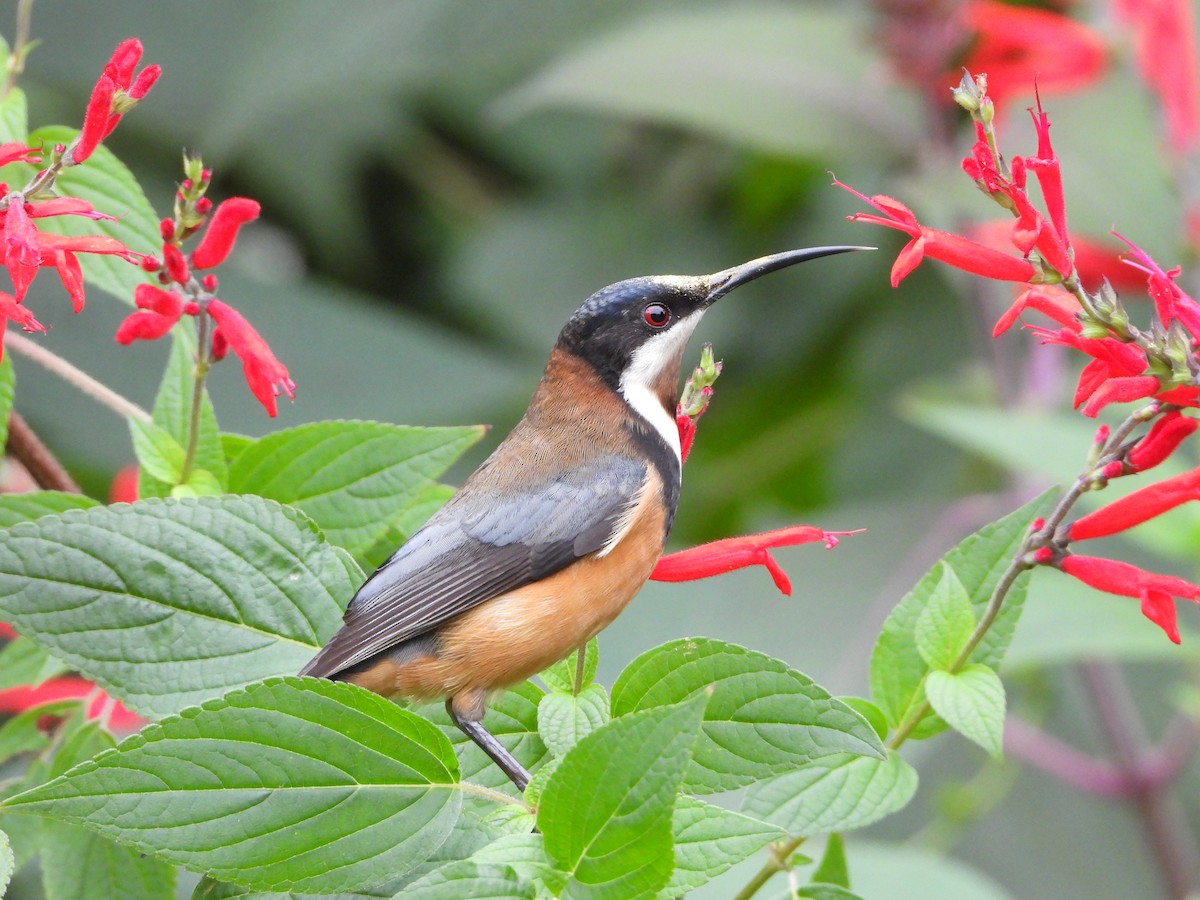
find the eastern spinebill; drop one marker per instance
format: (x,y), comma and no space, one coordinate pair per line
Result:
(552,536)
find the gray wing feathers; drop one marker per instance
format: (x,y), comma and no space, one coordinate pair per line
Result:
(478,546)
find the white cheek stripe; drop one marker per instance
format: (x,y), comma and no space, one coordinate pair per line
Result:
(645,366)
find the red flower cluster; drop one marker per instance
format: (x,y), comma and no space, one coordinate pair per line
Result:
(115,94)
(182,294)
(1017,45)
(1126,364)
(1165,52)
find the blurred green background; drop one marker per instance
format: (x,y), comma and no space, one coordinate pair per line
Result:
(443,183)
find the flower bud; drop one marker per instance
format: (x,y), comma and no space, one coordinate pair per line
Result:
(222,231)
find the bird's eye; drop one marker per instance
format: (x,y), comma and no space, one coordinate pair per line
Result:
(656,315)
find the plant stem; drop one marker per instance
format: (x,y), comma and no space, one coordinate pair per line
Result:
(27,448)
(580,661)
(198,375)
(16,58)
(1167,830)
(486,793)
(75,376)
(1020,562)
(777,861)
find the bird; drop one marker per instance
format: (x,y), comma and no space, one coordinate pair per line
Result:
(557,530)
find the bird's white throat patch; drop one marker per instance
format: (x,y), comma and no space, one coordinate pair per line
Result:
(643,370)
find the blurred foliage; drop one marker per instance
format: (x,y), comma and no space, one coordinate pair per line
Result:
(443,183)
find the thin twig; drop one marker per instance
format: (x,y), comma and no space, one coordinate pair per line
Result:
(27,448)
(1167,830)
(75,376)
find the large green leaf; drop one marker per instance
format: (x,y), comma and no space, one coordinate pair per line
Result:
(16,508)
(25,662)
(354,478)
(78,863)
(108,185)
(758,75)
(171,602)
(709,840)
(763,718)
(14,116)
(293,783)
(606,811)
(470,878)
(836,793)
(897,667)
(526,855)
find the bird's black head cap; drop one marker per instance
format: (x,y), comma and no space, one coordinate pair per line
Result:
(617,321)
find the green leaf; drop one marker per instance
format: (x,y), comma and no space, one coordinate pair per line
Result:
(16,508)
(8,863)
(107,184)
(170,602)
(709,840)
(512,718)
(24,662)
(617,843)
(14,118)
(771,88)
(826,892)
(946,623)
(159,454)
(561,675)
(234,445)
(897,668)
(77,862)
(210,889)
(526,855)
(972,702)
(21,734)
(836,793)
(470,878)
(172,414)
(763,719)
(833,869)
(353,478)
(563,719)
(8,385)
(869,711)
(234,788)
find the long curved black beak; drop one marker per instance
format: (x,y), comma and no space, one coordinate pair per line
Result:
(721,283)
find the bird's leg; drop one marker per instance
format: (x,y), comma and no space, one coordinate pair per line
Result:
(487,742)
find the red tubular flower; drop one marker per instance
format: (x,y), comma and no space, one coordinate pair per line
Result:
(1120,390)
(1170,301)
(71,274)
(177,266)
(21,256)
(1016,45)
(1138,507)
(95,119)
(953,249)
(1094,261)
(11,310)
(17,152)
(719,557)
(1049,175)
(123,61)
(1166,59)
(265,375)
(68,687)
(157,313)
(222,231)
(1058,304)
(124,486)
(1125,580)
(145,80)
(1161,441)
(687,433)
(65,206)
